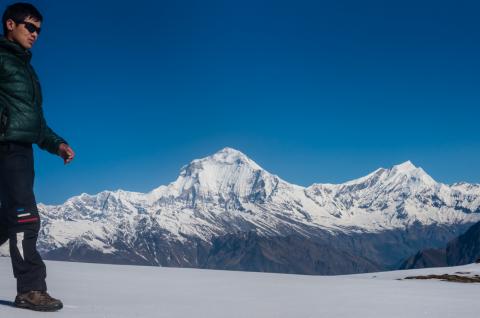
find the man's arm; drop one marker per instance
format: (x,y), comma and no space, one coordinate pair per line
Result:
(55,144)
(49,140)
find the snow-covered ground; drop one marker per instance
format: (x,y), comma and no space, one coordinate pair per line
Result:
(100,290)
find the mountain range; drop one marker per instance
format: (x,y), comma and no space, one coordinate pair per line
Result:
(224,211)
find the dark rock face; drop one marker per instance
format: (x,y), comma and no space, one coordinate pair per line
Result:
(426,258)
(462,250)
(390,248)
(244,251)
(324,253)
(291,254)
(466,248)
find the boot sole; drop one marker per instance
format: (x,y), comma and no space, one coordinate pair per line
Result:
(26,305)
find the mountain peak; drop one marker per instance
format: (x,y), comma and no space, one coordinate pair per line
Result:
(226,171)
(230,156)
(413,172)
(229,153)
(229,150)
(405,166)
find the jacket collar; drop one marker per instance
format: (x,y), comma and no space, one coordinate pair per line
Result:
(15,48)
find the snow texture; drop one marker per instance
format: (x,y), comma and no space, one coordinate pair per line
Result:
(116,291)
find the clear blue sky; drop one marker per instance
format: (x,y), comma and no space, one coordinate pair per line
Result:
(313,91)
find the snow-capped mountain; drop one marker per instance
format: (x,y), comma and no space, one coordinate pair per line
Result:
(398,197)
(225,211)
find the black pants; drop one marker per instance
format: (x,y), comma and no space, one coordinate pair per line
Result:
(19,218)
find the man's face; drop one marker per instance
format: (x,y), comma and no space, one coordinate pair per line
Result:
(19,33)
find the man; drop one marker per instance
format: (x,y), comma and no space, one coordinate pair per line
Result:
(22,124)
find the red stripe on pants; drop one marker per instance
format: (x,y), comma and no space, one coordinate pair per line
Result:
(27,220)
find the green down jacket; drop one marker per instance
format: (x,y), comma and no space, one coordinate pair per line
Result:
(21,114)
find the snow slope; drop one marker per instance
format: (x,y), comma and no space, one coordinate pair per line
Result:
(101,291)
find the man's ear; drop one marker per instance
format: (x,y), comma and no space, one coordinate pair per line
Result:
(10,24)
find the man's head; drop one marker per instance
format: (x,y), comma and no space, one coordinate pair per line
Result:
(21,23)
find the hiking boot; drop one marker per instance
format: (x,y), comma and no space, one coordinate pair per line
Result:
(38,300)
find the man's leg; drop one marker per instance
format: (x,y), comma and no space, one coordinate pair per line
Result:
(28,266)
(23,221)
(3,216)
(3,222)
(3,235)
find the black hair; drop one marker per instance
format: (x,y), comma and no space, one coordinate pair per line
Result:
(18,12)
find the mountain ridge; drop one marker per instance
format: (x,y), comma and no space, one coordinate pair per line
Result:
(217,200)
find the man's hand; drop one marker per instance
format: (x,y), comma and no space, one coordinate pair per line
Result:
(66,153)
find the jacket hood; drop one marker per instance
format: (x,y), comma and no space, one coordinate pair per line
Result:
(15,48)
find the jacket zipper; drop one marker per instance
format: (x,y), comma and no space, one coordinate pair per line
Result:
(3,122)
(34,87)
(36,93)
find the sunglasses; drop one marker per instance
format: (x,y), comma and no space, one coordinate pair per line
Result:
(30,27)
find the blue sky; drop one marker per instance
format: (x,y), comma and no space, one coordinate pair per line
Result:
(313,91)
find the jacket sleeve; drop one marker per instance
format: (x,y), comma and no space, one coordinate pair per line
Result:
(49,140)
